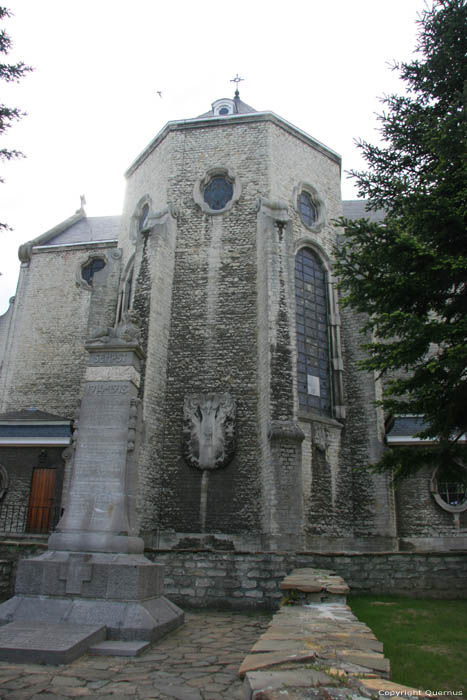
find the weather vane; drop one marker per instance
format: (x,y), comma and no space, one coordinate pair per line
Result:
(237,80)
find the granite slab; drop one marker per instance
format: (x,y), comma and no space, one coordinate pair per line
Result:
(35,642)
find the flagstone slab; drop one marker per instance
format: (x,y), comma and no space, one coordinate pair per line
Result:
(119,647)
(382,686)
(258,680)
(285,645)
(253,662)
(36,642)
(375,661)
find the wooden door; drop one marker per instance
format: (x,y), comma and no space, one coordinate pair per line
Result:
(41,500)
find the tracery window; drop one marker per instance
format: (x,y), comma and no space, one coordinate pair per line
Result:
(314,376)
(308,210)
(449,487)
(218,192)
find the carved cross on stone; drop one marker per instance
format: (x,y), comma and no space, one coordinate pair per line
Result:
(75,572)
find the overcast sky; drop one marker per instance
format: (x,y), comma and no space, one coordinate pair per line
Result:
(92,102)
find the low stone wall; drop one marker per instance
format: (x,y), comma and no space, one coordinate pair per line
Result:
(248,580)
(245,580)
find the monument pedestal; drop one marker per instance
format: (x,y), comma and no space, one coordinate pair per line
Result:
(94,573)
(122,592)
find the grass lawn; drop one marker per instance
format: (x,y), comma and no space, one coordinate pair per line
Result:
(425,640)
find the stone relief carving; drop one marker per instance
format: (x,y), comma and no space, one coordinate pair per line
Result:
(209,430)
(127,331)
(285,430)
(133,424)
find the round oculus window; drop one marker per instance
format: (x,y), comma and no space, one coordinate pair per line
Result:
(307,209)
(218,192)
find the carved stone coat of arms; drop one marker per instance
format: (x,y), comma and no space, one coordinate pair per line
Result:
(209,431)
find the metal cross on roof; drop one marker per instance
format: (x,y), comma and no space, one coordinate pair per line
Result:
(237,80)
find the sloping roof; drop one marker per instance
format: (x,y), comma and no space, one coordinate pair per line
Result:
(88,229)
(31,427)
(240,108)
(356,209)
(76,229)
(31,414)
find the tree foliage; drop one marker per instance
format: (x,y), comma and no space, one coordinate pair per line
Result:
(409,273)
(9,72)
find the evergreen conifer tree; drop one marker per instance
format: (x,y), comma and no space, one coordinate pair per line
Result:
(408,274)
(10,72)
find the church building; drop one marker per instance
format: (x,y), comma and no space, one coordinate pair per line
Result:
(254,424)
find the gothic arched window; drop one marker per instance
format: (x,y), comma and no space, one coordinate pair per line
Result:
(314,376)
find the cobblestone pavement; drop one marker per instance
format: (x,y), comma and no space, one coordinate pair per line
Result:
(197,662)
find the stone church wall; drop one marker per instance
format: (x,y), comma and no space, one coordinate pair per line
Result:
(336,493)
(45,354)
(212,344)
(421,522)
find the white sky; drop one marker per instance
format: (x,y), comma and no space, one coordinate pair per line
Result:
(92,103)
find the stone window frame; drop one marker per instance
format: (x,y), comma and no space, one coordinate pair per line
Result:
(135,224)
(454,509)
(202,182)
(94,255)
(223,103)
(125,302)
(318,202)
(336,364)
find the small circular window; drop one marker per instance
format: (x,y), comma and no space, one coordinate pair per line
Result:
(218,192)
(307,208)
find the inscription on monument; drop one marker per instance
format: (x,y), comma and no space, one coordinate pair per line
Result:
(106,389)
(109,358)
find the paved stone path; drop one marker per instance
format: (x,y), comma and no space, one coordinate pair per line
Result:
(200,661)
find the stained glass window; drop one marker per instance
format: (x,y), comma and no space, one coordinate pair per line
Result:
(218,192)
(314,388)
(308,211)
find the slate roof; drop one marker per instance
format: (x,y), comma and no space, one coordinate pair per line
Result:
(406,426)
(31,414)
(356,209)
(31,423)
(88,229)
